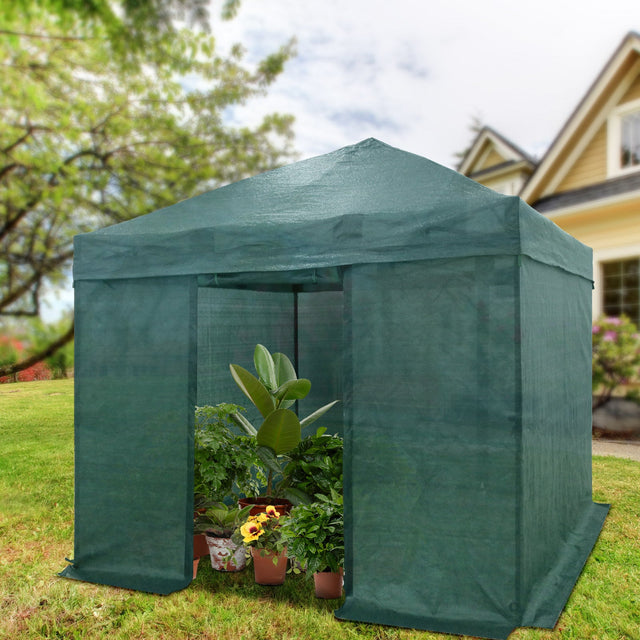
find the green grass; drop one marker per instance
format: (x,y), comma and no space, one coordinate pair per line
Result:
(36,533)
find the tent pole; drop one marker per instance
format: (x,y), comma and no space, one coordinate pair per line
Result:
(296,360)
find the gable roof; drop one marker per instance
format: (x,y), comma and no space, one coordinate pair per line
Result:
(605,92)
(490,144)
(366,203)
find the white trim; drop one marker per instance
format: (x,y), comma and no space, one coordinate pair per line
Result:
(607,255)
(484,155)
(632,44)
(601,117)
(519,167)
(614,139)
(584,207)
(473,157)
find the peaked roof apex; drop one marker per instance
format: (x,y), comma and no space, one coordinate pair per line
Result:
(603,86)
(503,145)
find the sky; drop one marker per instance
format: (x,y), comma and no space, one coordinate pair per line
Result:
(415,73)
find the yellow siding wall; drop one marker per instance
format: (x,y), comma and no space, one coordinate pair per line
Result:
(493,159)
(591,166)
(614,226)
(633,93)
(507,183)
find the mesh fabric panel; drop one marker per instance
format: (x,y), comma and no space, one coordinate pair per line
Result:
(134,394)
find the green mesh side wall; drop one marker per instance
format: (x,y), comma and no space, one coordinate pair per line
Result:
(230,324)
(468,485)
(559,521)
(306,326)
(320,344)
(432,445)
(134,394)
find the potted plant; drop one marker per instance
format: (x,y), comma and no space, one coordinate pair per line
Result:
(224,461)
(315,465)
(314,534)
(262,534)
(218,524)
(223,464)
(276,388)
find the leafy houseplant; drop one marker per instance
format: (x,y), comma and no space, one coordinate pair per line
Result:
(315,537)
(315,465)
(276,388)
(223,463)
(221,520)
(223,460)
(218,523)
(263,534)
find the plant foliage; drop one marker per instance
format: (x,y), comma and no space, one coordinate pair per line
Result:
(315,465)
(87,141)
(315,534)
(615,359)
(272,393)
(224,461)
(221,520)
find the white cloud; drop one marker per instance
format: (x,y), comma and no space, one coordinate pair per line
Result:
(414,74)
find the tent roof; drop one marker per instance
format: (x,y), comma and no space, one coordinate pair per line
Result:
(365,203)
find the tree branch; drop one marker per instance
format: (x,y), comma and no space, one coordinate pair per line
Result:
(42,36)
(11,369)
(38,274)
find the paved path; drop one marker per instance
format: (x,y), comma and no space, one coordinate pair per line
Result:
(629,450)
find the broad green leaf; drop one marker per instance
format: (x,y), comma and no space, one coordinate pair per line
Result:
(265,366)
(293,390)
(296,496)
(284,369)
(253,389)
(280,431)
(317,414)
(244,424)
(269,459)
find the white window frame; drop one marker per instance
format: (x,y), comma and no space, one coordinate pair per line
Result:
(614,139)
(628,252)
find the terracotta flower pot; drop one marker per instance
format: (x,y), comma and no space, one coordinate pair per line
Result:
(200,545)
(265,571)
(226,555)
(282,505)
(195,567)
(328,584)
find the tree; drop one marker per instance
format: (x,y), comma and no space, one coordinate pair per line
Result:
(86,142)
(128,24)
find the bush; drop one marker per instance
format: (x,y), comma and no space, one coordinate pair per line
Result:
(11,350)
(615,359)
(315,465)
(224,461)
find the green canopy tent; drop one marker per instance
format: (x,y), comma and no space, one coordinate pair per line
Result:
(454,324)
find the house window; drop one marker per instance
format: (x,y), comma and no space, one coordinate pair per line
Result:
(623,139)
(630,140)
(620,288)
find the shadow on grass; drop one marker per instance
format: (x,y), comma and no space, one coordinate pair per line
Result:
(298,590)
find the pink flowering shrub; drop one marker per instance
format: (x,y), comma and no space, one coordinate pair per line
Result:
(615,358)
(12,349)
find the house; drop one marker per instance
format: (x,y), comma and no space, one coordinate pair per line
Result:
(588,182)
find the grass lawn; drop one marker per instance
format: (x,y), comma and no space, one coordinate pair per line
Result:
(36,533)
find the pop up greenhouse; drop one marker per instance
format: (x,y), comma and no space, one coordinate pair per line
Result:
(452,322)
